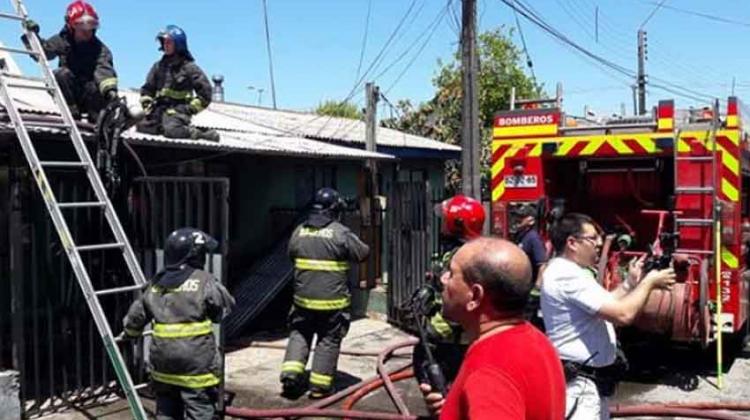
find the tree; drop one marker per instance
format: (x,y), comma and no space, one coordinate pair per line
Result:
(334,108)
(500,69)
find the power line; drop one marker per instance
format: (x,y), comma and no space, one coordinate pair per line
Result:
(525,49)
(432,25)
(703,15)
(377,59)
(432,28)
(364,39)
(268,48)
(535,18)
(653,12)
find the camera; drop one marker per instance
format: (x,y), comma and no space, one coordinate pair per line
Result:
(668,242)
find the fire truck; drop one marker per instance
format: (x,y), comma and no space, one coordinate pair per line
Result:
(671,184)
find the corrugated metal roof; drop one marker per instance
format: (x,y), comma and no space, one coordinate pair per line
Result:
(325,127)
(261,144)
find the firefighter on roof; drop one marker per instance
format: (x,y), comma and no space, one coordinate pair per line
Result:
(321,249)
(182,302)
(167,96)
(86,74)
(462,220)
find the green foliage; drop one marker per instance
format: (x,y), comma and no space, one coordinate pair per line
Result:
(500,69)
(334,108)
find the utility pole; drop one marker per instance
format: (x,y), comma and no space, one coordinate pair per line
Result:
(372,94)
(371,220)
(270,59)
(470,142)
(641,72)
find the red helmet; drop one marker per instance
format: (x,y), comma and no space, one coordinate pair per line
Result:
(81,15)
(463,217)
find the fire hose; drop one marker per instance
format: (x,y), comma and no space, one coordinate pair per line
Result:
(317,409)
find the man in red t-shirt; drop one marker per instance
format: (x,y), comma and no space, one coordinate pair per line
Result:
(511,370)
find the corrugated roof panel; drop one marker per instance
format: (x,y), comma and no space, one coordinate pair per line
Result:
(261,143)
(325,127)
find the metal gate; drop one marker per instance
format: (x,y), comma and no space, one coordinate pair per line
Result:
(159,205)
(411,243)
(55,345)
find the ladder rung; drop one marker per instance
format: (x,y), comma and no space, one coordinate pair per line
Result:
(22,77)
(98,247)
(32,87)
(46,124)
(82,204)
(695,158)
(11,16)
(693,190)
(693,251)
(64,164)
(19,51)
(695,222)
(118,290)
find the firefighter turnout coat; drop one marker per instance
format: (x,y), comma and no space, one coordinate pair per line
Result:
(172,81)
(321,249)
(183,351)
(88,61)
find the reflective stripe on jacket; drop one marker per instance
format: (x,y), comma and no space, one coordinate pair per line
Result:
(178,80)
(322,256)
(183,349)
(86,60)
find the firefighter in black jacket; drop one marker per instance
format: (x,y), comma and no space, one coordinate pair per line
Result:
(86,74)
(321,249)
(462,220)
(182,302)
(167,96)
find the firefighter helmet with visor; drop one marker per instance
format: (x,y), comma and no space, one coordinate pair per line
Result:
(188,246)
(81,15)
(463,217)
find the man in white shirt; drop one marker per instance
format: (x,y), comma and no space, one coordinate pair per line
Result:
(579,313)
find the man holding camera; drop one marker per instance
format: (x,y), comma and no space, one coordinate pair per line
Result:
(321,249)
(579,313)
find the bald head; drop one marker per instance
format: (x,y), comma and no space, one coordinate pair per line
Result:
(501,268)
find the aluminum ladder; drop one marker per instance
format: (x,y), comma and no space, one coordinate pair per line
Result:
(73,251)
(707,191)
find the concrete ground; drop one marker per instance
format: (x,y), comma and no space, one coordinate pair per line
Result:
(659,376)
(252,374)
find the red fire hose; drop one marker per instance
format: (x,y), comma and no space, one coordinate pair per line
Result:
(662,410)
(360,393)
(317,410)
(397,401)
(252,413)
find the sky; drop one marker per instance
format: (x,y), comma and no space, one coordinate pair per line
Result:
(317,44)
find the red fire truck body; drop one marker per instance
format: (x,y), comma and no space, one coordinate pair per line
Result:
(675,176)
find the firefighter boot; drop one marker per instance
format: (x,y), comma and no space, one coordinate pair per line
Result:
(293,385)
(317,393)
(205,134)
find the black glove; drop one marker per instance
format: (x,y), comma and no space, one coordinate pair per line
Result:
(31,25)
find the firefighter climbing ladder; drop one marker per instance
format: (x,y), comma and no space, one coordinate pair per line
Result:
(55,208)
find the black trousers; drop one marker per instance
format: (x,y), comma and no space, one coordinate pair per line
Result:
(178,403)
(330,327)
(171,121)
(81,95)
